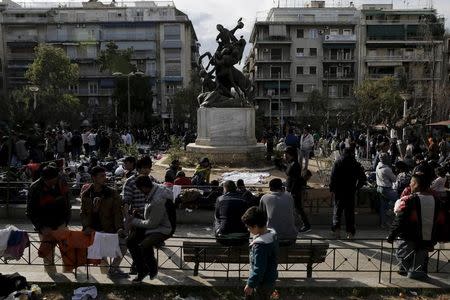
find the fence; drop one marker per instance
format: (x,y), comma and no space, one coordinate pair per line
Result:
(374,256)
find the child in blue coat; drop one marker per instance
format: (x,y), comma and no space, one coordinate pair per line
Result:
(263,256)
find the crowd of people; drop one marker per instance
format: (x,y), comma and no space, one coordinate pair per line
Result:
(18,148)
(411,182)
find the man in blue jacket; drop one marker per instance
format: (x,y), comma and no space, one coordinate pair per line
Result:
(263,256)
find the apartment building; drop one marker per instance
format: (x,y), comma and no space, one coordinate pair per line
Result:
(333,49)
(162,37)
(403,42)
(298,50)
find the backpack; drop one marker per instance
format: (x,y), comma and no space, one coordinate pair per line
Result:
(172,214)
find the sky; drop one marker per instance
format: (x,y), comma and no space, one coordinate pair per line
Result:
(205,14)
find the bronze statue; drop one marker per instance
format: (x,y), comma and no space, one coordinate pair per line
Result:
(217,91)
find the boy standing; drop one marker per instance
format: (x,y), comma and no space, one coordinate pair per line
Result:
(263,256)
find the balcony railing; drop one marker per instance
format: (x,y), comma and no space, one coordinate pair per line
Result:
(400,57)
(339,76)
(98,92)
(272,77)
(338,58)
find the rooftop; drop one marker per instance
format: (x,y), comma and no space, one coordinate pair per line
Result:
(87,4)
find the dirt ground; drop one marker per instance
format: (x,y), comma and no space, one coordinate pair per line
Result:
(137,292)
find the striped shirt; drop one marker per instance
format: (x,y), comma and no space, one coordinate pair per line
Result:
(132,195)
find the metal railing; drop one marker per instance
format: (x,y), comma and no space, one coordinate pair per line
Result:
(366,255)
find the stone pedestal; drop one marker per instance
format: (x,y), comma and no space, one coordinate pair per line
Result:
(227,135)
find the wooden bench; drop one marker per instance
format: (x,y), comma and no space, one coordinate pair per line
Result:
(209,252)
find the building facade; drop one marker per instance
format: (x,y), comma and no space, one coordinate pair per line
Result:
(333,49)
(162,38)
(403,42)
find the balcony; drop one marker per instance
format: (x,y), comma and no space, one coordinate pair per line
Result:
(273,40)
(340,58)
(21,56)
(132,36)
(399,21)
(401,57)
(98,92)
(339,38)
(273,59)
(273,77)
(339,76)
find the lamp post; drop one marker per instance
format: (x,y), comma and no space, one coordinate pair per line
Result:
(34,89)
(119,74)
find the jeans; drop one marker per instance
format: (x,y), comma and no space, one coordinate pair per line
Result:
(387,198)
(344,204)
(298,202)
(412,259)
(141,247)
(303,154)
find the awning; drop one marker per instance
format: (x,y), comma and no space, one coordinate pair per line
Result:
(386,31)
(441,123)
(274,85)
(337,45)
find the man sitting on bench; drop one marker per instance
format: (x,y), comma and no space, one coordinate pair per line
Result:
(230,207)
(280,209)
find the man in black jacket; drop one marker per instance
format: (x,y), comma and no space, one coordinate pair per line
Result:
(295,184)
(347,176)
(230,207)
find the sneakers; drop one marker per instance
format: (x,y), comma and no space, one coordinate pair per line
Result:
(139,278)
(305,229)
(350,236)
(116,273)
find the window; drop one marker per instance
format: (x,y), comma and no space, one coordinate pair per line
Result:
(346,90)
(93,101)
(313,52)
(334,31)
(308,88)
(173,54)
(173,69)
(73,88)
(275,72)
(332,91)
(300,52)
(20,15)
(300,33)
(139,13)
(299,70)
(275,54)
(391,52)
(93,87)
(274,106)
(313,33)
(172,32)
(347,54)
(172,89)
(347,32)
(299,88)
(312,70)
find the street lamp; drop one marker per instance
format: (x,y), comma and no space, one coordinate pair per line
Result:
(120,74)
(34,89)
